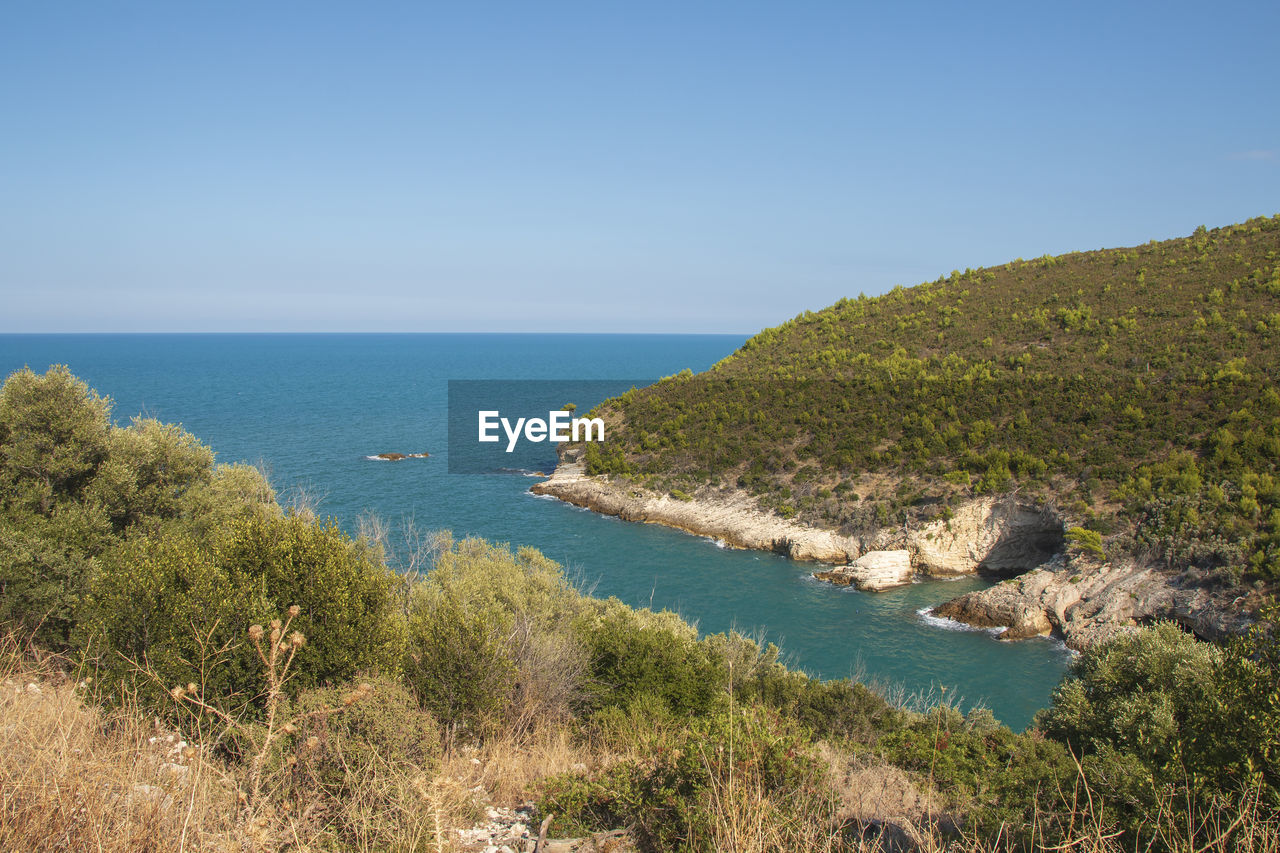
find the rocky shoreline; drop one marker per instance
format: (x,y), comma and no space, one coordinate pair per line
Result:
(1085,602)
(1076,598)
(732,518)
(993,534)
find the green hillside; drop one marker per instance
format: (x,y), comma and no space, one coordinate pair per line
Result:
(1134,388)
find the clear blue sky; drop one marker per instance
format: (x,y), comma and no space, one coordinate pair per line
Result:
(598,166)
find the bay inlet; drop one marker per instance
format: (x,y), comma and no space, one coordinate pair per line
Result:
(313,409)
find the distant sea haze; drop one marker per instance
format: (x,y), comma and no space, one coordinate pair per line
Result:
(312,409)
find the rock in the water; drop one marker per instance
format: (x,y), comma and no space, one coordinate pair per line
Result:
(874,570)
(1089,602)
(1003,607)
(396,457)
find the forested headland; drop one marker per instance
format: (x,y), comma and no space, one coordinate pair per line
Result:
(1132,392)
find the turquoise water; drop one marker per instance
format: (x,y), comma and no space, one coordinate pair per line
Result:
(311,408)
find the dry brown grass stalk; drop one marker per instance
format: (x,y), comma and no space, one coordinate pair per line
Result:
(75,778)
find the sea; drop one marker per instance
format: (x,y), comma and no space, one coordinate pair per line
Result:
(315,410)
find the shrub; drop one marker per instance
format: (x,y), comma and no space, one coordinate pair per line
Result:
(347,596)
(985,771)
(151,468)
(72,486)
(839,708)
(177,604)
(490,638)
(1239,744)
(165,603)
(1139,693)
(1085,541)
(458,662)
(1157,715)
(54,436)
(638,652)
(46,567)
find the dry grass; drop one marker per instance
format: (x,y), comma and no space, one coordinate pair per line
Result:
(747,815)
(511,770)
(871,790)
(72,778)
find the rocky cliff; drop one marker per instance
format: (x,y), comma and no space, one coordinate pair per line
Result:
(1075,597)
(1087,602)
(997,535)
(731,517)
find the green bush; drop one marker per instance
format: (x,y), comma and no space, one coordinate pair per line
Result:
(232,493)
(1238,745)
(148,473)
(1085,541)
(54,437)
(46,567)
(1142,693)
(459,662)
(1158,715)
(348,597)
(72,486)
(163,611)
(490,637)
(996,778)
(840,708)
(639,652)
(180,608)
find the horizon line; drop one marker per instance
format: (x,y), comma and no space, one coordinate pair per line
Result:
(367,332)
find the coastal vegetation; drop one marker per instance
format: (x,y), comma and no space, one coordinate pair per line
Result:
(1132,389)
(190,665)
